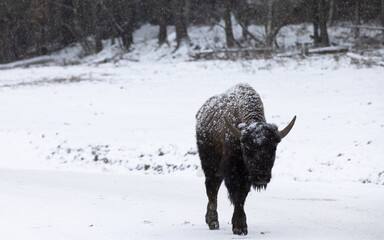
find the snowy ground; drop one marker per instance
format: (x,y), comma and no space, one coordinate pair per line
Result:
(141,116)
(107,150)
(64,205)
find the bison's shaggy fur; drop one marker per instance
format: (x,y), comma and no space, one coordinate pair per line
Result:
(235,145)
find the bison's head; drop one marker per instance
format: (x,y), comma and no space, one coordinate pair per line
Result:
(258,144)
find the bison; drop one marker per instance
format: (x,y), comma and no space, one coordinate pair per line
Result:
(237,145)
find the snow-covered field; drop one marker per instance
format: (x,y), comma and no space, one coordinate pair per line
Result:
(141,116)
(46,205)
(107,150)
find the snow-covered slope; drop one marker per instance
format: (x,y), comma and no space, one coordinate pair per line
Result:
(141,116)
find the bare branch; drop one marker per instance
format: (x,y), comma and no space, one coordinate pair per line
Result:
(244,27)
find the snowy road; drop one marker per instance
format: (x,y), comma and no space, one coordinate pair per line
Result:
(81,205)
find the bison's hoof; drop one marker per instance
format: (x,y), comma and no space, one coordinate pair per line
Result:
(213,225)
(211,219)
(240,231)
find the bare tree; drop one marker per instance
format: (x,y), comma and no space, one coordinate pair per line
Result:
(382,13)
(315,9)
(95,12)
(65,19)
(161,12)
(331,17)
(278,13)
(323,24)
(357,21)
(241,11)
(382,17)
(245,18)
(125,20)
(244,27)
(268,24)
(35,27)
(228,24)
(178,10)
(320,23)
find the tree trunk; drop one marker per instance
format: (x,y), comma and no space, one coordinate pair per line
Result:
(357,22)
(382,17)
(161,13)
(66,15)
(331,16)
(123,12)
(179,21)
(6,37)
(323,24)
(187,8)
(79,26)
(244,18)
(107,7)
(382,13)
(316,38)
(95,15)
(128,27)
(228,25)
(269,23)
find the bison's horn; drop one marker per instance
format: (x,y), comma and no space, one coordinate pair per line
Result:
(233,129)
(288,128)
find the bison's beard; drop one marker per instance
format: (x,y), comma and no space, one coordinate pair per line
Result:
(259,187)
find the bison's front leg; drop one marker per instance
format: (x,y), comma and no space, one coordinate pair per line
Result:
(238,189)
(239,221)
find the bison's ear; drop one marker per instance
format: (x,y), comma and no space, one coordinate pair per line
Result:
(233,129)
(288,128)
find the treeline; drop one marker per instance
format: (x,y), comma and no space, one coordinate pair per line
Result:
(37,27)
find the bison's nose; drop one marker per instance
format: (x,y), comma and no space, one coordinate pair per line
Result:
(265,178)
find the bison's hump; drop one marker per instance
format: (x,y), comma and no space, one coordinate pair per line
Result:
(241,104)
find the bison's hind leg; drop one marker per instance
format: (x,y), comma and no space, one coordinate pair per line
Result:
(212,185)
(213,180)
